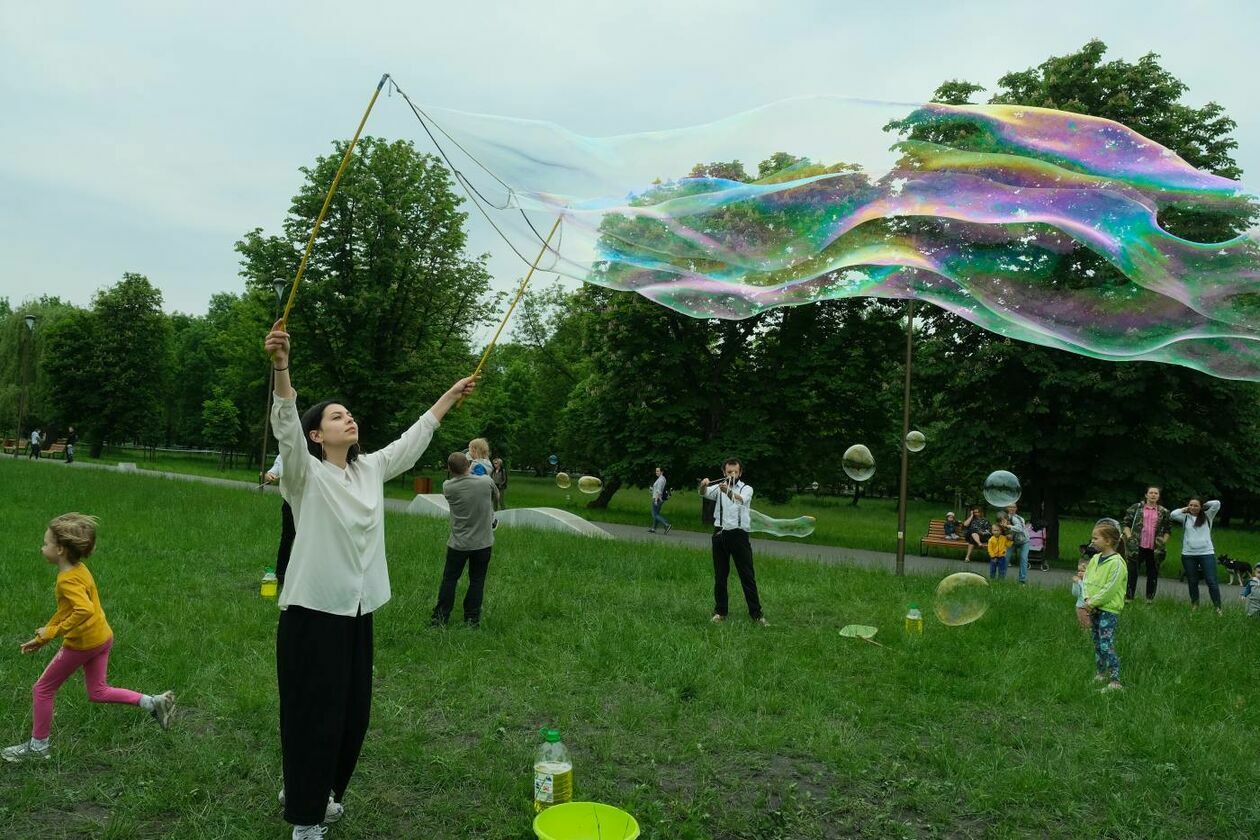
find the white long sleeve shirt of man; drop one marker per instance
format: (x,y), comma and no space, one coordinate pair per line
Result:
(277,468)
(338,562)
(728,514)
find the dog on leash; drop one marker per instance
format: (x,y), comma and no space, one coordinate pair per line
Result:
(1239,571)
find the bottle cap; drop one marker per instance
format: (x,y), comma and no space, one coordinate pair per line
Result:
(551,736)
(914,606)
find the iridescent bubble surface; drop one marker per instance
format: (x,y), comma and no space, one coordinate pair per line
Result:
(1002,488)
(858,463)
(915,441)
(563,481)
(1040,225)
(961,598)
(801,526)
(590,485)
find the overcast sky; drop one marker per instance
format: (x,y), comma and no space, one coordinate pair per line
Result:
(148,137)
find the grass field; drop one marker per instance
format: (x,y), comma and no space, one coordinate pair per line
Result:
(701,731)
(872,525)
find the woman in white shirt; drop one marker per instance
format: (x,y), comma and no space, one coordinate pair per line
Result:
(1198,554)
(337,577)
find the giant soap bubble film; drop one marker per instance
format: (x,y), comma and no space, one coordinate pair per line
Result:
(1041,225)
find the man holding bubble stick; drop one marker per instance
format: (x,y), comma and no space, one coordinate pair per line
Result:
(731,525)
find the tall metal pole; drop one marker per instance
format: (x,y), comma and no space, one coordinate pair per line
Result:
(905,453)
(24,396)
(278,285)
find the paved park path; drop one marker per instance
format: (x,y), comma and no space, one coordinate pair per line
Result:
(915,565)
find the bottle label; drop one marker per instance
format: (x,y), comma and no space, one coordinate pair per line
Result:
(544,787)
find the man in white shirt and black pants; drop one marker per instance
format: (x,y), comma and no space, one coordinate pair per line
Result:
(730,540)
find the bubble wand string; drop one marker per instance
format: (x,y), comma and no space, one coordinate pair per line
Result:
(310,243)
(519,293)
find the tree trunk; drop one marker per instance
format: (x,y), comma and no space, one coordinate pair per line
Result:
(98,447)
(1050,511)
(606,492)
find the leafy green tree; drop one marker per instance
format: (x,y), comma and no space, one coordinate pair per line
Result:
(220,425)
(389,298)
(108,369)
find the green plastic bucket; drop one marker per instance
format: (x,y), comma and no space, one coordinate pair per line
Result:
(585,821)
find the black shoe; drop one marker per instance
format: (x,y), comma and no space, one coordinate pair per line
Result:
(437,621)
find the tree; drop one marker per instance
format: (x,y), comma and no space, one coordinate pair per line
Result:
(389,297)
(109,368)
(220,425)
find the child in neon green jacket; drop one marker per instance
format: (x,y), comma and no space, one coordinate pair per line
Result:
(1104,584)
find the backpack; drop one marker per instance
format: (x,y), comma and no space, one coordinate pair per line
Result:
(666,493)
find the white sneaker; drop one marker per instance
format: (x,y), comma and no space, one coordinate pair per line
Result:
(25,752)
(309,832)
(164,709)
(332,812)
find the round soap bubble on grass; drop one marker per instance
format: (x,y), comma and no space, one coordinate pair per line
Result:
(1002,488)
(563,481)
(915,441)
(961,598)
(858,462)
(590,485)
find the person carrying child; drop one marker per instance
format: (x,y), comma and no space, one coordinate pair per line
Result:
(1104,583)
(471,499)
(999,542)
(88,639)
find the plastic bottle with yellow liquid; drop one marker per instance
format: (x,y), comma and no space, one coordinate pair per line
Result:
(553,772)
(914,621)
(270,584)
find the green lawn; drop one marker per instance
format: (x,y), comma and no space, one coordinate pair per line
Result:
(701,731)
(872,525)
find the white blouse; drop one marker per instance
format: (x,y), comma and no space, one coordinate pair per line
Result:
(338,560)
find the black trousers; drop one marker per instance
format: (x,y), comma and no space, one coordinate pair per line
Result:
(727,545)
(478,564)
(324,669)
(1145,557)
(287,534)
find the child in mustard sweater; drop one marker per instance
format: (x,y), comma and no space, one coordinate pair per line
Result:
(69,541)
(998,543)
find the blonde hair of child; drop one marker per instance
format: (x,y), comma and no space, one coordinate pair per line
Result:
(1111,533)
(76,533)
(479,448)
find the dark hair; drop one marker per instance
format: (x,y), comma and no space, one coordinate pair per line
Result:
(731,462)
(311,418)
(1202,517)
(457,463)
(1155,487)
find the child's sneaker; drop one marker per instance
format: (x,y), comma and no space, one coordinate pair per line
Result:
(25,752)
(1111,686)
(164,708)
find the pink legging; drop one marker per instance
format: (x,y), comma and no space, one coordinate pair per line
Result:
(95,663)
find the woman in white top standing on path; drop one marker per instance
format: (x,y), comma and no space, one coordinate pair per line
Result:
(1198,555)
(337,577)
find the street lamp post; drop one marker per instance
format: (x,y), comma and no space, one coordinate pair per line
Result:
(24,363)
(278,285)
(905,453)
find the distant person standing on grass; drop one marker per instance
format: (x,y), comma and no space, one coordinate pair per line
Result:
(660,492)
(500,477)
(88,639)
(1198,555)
(72,437)
(337,578)
(731,525)
(1147,527)
(471,499)
(1104,586)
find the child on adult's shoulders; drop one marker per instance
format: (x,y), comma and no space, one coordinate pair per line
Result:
(479,455)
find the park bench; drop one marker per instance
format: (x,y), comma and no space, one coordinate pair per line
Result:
(8,446)
(56,450)
(936,537)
